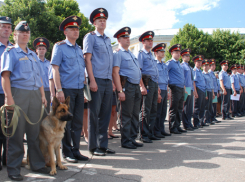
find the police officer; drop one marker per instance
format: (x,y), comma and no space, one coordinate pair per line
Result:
(99,61)
(189,82)
(149,88)
(219,96)
(177,85)
(199,106)
(235,86)
(225,85)
(209,91)
(5,32)
(242,82)
(159,51)
(216,89)
(22,84)
(41,45)
(68,72)
(127,76)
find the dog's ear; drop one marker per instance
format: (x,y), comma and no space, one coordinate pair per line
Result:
(67,101)
(55,104)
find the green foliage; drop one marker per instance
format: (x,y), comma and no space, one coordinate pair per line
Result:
(221,45)
(44,18)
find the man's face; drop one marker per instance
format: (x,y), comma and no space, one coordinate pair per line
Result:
(176,55)
(239,71)
(41,50)
(160,54)
(100,23)
(213,67)
(22,37)
(205,67)
(148,43)
(224,67)
(234,71)
(72,33)
(124,41)
(5,30)
(198,64)
(186,58)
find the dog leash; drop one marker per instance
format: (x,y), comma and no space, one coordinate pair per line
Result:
(15,118)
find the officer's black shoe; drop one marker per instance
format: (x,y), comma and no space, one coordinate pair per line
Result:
(189,129)
(194,127)
(239,115)
(108,151)
(218,121)
(212,122)
(81,157)
(199,126)
(215,119)
(204,124)
(1,166)
(181,130)
(97,152)
(43,170)
(16,177)
(175,131)
(154,138)
(146,140)
(230,118)
(137,144)
(129,146)
(71,159)
(165,134)
(159,135)
(224,118)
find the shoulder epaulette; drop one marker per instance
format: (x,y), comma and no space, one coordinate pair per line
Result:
(117,49)
(61,42)
(11,43)
(9,48)
(92,33)
(140,51)
(194,69)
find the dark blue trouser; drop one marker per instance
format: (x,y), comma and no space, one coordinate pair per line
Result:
(208,107)
(214,109)
(100,114)
(161,113)
(199,108)
(235,105)
(71,140)
(188,111)
(2,137)
(241,103)
(226,103)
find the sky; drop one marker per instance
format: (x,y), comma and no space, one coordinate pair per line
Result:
(144,15)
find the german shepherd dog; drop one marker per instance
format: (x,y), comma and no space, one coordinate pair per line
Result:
(52,131)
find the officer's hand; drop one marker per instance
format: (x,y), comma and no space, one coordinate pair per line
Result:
(159,91)
(195,95)
(143,90)
(121,96)
(159,98)
(213,96)
(217,95)
(85,100)
(206,98)
(44,101)
(241,90)
(113,87)
(9,101)
(186,92)
(224,92)
(60,96)
(169,96)
(235,94)
(93,86)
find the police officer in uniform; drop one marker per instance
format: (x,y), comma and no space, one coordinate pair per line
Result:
(177,85)
(225,85)
(199,106)
(242,82)
(99,62)
(22,84)
(189,82)
(127,76)
(68,73)
(149,88)
(5,32)
(235,85)
(159,51)
(209,91)
(41,45)
(216,89)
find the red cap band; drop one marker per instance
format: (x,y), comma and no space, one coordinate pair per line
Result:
(71,24)
(99,15)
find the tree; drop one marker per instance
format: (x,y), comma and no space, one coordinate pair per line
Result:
(44,18)
(190,37)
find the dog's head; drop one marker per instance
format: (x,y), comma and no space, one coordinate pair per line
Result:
(61,111)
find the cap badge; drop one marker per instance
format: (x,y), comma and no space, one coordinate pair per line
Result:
(41,43)
(150,36)
(150,33)
(101,10)
(178,45)
(75,18)
(7,18)
(126,29)
(163,44)
(40,40)
(75,23)
(26,27)
(126,32)
(101,14)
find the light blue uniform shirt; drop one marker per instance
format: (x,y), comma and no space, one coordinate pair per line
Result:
(2,48)
(214,80)
(45,66)
(226,79)
(102,56)
(128,64)
(235,80)
(176,73)
(163,75)
(50,73)
(209,81)
(218,84)
(25,68)
(71,64)
(241,79)
(147,64)
(188,73)
(199,79)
